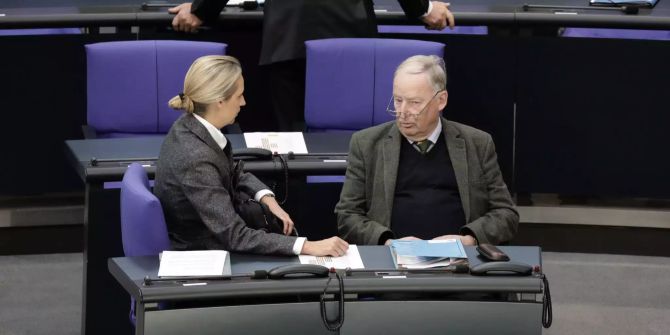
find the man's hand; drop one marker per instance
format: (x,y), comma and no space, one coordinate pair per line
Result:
(279,213)
(184,20)
(439,17)
(406,238)
(465,239)
(333,246)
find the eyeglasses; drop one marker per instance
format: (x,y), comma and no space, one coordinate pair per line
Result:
(391,108)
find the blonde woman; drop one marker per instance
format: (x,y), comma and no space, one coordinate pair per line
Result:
(195,178)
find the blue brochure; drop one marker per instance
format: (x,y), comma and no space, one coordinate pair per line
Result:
(426,254)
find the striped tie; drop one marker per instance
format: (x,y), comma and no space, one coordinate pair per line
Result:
(423,146)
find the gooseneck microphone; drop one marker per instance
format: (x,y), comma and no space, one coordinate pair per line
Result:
(628,10)
(455,268)
(258,274)
(246,5)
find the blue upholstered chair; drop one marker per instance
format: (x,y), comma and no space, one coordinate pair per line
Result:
(633,34)
(129,84)
(143,228)
(349,81)
(40,31)
(416,29)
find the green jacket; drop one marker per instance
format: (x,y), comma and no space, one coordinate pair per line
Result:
(365,206)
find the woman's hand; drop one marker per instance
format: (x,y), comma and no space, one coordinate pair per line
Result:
(279,212)
(333,246)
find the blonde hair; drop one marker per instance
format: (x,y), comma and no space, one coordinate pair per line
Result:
(209,79)
(431,65)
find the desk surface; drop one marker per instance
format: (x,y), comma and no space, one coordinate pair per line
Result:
(323,147)
(130,272)
(64,13)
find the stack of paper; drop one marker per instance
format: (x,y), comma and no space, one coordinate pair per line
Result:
(421,254)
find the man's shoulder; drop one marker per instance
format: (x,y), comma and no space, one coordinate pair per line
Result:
(467,132)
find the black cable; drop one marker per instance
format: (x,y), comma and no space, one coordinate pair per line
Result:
(285,168)
(546,304)
(333,325)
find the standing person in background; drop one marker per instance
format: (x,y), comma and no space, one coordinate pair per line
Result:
(287,24)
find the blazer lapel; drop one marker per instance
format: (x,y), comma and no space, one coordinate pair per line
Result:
(391,157)
(459,161)
(199,130)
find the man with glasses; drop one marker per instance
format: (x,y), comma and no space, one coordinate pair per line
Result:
(422,176)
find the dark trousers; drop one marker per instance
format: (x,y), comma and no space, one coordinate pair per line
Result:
(287,91)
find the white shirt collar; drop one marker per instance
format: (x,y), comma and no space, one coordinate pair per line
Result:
(216,133)
(435,135)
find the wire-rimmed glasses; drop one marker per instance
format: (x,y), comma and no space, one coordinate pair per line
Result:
(391,108)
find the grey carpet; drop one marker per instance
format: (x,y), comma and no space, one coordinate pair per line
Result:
(41,294)
(592,294)
(608,294)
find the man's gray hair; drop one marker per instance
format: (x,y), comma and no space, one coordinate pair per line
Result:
(431,65)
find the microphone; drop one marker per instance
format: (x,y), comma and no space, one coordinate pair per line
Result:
(455,268)
(246,5)
(302,270)
(257,274)
(628,10)
(279,272)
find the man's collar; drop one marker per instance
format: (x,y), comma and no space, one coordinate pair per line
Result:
(435,135)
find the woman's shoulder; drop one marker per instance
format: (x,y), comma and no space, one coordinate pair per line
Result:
(182,147)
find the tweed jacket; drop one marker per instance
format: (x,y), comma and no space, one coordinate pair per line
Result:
(194,182)
(365,206)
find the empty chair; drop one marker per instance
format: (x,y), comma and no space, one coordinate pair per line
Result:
(40,31)
(458,30)
(129,84)
(349,81)
(143,228)
(631,34)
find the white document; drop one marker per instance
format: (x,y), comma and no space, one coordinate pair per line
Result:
(193,263)
(233,3)
(277,142)
(352,259)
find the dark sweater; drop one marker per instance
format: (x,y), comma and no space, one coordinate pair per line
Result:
(426,201)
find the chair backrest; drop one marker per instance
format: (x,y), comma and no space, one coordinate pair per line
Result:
(143,228)
(40,31)
(349,81)
(129,83)
(631,34)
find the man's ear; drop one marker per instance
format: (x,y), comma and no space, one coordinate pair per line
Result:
(442,99)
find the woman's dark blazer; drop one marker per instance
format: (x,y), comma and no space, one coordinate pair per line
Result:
(194,179)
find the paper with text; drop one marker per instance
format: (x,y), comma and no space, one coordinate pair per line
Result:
(193,263)
(277,142)
(352,259)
